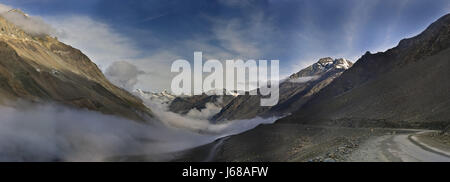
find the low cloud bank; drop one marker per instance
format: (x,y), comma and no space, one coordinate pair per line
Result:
(303,79)
(198,122)
(57,133)
(52,132)
(211,109)
(206,113)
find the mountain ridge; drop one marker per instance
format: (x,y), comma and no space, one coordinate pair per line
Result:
(294,91)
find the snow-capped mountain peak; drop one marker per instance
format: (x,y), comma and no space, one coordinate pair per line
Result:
(161,97)
(222,92)
(342,63)
(322,66)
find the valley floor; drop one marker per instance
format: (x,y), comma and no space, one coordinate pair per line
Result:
(300,143)
(282,142)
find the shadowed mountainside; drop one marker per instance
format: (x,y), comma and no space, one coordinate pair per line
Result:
(406,86)
(183,105)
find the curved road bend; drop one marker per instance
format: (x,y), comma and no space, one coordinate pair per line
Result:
(398,148)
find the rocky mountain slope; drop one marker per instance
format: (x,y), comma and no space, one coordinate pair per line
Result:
(294,91)
(40,69)
(182,105)
(406,86)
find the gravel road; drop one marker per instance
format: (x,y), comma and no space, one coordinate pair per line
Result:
(398,148)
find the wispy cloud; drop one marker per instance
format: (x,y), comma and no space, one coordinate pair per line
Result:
(96,39)
(150,18)
(4,8)
(303,79)
(236,3)
(359,17)
(31,24)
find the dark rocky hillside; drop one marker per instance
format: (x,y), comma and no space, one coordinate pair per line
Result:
(406,86)
(183,105)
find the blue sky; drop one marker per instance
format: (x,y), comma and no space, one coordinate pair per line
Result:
(153,33)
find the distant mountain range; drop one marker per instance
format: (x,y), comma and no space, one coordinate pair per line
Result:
(163,97)
(294,91)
